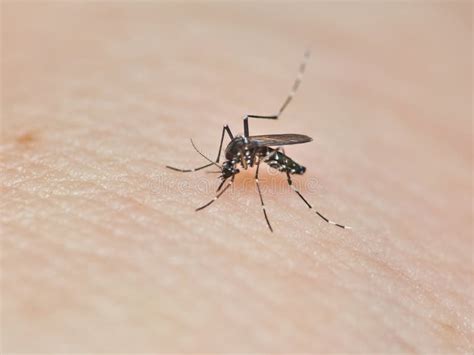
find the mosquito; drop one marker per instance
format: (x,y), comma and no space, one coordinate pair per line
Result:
(247,151)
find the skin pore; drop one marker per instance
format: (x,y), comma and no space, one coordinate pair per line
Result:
(102,250)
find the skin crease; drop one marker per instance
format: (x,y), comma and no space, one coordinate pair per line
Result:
(101,248)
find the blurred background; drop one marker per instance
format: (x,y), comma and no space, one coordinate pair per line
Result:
(98,96)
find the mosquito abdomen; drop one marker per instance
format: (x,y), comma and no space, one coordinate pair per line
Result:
(278,160)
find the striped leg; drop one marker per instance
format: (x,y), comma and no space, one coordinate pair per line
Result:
(297,82)
(290,182)
(292,93)
(231,136)
(224,130)
(261,198)
(218,195)
(189,170)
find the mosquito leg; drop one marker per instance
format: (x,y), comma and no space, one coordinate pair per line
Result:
(288,99)
(231,136)
(218,195)
(224,130)
(290,182)
(297,82)
(220,185)
(189,170)
(261,198)
(246,122)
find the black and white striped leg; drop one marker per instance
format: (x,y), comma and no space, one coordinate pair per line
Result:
(290,182)
(231,136)
(224,130)
(220,185)
(261,198)
(288,99)
(189,170)
(246,122)
(218,195)
(297,82)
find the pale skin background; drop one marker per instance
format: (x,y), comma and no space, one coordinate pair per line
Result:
(101,247)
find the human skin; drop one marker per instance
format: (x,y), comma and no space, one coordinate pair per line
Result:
(101,248)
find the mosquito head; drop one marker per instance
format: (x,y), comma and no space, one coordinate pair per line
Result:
(228,169)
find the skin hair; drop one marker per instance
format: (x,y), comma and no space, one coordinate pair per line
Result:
(101,248)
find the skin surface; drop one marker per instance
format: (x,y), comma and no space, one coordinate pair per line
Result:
(101,248)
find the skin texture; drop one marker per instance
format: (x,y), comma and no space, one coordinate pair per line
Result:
(101,248)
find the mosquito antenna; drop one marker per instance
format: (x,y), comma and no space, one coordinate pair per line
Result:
(201,154)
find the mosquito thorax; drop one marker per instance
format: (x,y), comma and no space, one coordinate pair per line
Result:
(234,147)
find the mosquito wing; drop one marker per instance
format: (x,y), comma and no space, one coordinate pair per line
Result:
(280,139)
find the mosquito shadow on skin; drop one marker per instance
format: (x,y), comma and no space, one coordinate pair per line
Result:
(271,181)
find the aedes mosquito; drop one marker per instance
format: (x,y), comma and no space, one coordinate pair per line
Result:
(248,151)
